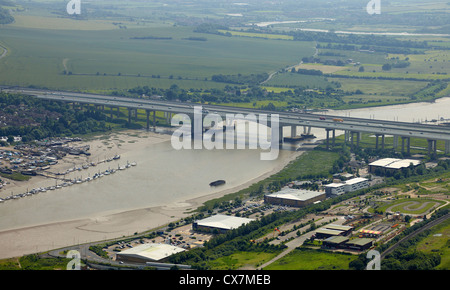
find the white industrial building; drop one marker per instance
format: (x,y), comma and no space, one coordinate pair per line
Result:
(350,185)
(150,252)
(391,164)
(294,197)
(220,223)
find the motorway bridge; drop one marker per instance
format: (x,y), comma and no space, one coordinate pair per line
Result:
(353,127)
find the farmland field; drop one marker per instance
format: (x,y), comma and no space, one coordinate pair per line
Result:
(116,59)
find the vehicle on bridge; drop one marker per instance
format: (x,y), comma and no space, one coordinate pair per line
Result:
(338,120)
(322,118)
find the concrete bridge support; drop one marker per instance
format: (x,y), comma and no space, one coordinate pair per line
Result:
(358,138)
(293,131)
(346,137)
(147,112)
(432,148)
(447,147)
(307,130)
(408,145)
(377,141)
(333,141)
(395,141)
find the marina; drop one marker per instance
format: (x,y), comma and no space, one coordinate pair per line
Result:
(65,182)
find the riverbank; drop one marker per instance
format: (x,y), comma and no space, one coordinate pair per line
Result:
(114,224)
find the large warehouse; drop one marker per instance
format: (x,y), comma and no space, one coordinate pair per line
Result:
(294,197)
(148,253)
(384,165)
(220,223)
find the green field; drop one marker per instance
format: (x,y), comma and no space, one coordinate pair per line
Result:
(306,259)
(239,260)
(438,241)
(112,59)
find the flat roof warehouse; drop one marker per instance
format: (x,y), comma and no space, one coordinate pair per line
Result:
(220,222)
(295,197)
(391,164)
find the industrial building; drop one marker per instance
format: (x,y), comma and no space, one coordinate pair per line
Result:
(360,244)
(220,223)
(391,165)
(335,242)
(339,242)
(148,253)
(294,197)
(334,189)
(333,230)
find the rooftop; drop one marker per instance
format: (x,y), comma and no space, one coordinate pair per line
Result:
(296,194)
(151,251)
(335,184)
(336,240)
(360,241)
(338,227)
(223,221)
(394,163)
(355,180)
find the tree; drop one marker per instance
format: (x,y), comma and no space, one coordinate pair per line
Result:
(361,69)
(386,66)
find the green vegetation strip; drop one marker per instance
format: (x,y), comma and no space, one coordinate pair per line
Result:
(308,259)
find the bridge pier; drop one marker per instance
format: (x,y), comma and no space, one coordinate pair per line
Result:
(358,138)
(346,137)
(147,112)
(432,147)
(395,142)
(382,141)
(447,147)
(111,112)
(293,131)
(408,148)
(328,138)
(307,130)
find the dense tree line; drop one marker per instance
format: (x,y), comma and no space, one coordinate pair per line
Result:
(239,79)
(354,39)
(5,16)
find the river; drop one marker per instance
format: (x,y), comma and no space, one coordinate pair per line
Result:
(166,176)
